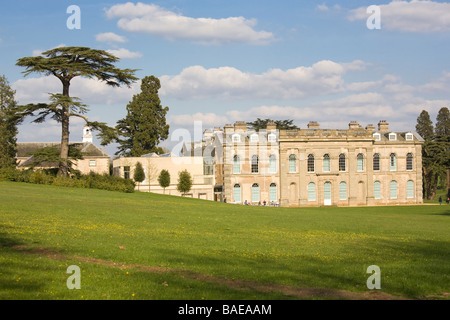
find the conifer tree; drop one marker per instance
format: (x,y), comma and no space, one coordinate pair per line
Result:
(139,174)
(443,122)
(10,118)
(67,63)
(424,126)
(144,126)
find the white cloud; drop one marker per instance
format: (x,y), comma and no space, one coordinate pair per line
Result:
(322,7)
(413,16)
(123,53)
(207,119)
(322,78)
(110,37)
(152,19)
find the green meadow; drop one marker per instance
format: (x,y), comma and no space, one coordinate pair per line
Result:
(148,246)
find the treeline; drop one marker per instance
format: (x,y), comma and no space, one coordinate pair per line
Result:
(435,151)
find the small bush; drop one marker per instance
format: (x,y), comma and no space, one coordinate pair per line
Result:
(49,177)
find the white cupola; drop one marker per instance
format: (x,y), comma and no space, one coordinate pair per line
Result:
(87,134)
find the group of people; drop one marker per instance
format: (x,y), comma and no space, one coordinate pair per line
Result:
(447,201)
(264,203)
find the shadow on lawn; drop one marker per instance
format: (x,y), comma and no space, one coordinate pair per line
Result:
(414,270)
(15,280)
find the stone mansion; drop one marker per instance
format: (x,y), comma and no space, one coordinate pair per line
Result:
(304,167)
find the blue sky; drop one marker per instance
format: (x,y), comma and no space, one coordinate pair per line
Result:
(223,61)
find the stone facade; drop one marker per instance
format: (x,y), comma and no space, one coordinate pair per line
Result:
(203,182)
(322,167)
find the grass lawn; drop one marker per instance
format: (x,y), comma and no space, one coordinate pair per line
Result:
(148,246)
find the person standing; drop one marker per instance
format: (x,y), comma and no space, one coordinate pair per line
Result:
(440,200)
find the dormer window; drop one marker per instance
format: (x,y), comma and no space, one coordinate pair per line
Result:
(392,136)
(377,136)
(272,138)
(409,137)
(236,138)
(254,138)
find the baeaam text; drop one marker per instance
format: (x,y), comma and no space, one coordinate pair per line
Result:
(240,309)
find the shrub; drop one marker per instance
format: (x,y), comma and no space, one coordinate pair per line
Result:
(49,177)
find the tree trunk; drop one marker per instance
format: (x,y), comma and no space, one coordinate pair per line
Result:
(64,165)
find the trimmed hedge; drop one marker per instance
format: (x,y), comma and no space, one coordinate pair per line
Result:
(47,177)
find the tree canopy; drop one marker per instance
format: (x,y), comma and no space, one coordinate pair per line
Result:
(164,179)
(424,126)
(184,182)
(435,151)
(144,126)
(259,124)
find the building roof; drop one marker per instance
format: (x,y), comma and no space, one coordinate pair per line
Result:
(88,149)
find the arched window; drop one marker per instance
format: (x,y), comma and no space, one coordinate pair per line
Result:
(311,191)
(409,161)
(272,138)
(255,164)
(273,195)
(393,189)
(310,163)
(342,164)
(292,164)
(272,164)
(377,190)
(326,163)
(393,162)
(360,162)
(410,189)
(236,164)
(237,193)
(254,137)
(255,192)
(342,190)
(376,162)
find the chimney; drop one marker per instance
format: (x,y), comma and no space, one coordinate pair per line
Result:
(240,126)
(353,125)
(228,128)
(271,126)
(370,127)
(383,126)
(313,125)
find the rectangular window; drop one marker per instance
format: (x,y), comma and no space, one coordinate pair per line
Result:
(273,193)
(377,190)
(360,163)
(237,193)
(393,190)
(326,163)
(342,191)
(410,189)
(311,191)
(292,164)
(255,193)
(92,163)
(255,164)
(126,172)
